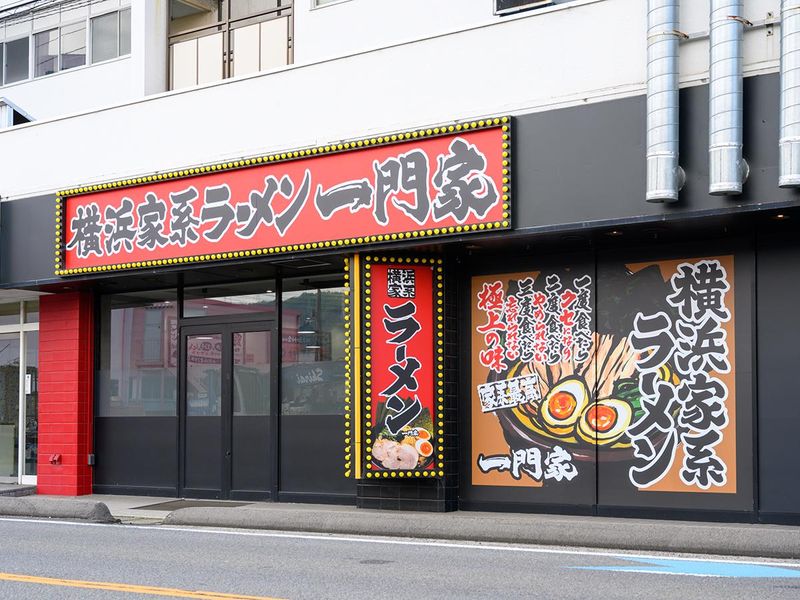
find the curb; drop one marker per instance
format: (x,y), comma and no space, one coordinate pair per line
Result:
(55,508)
(763,541)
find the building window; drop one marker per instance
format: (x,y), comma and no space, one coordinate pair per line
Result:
(45,53)
(138,355)
(59,49)
(227,39)
(73,46)
(19,377)
(111,35)
(15,65)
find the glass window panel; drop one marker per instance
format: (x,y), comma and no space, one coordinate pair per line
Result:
(233,299)
(324,2)
(73,45)
(17,60)
(125,32)
(9,403)
(2,53)
(31,401)
(45,52)
(251,370)
(204,375)
(32,311)
(312,350)
(104,37)
(184,17)
(9,314)
(138,355)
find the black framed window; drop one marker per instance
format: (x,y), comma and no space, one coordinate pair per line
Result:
(137,375)
(229,299)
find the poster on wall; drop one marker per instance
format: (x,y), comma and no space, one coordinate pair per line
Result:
(635,386)
(533,379)
(403,367)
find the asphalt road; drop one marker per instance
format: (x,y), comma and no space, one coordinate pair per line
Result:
(45,559)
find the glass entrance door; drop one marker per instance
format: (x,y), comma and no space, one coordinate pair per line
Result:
(228,383)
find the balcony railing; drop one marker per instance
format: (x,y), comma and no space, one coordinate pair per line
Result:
(210,41)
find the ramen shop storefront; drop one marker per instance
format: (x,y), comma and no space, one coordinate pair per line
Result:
(243,335)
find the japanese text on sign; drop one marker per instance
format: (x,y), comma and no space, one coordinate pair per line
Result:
(411,186)
(547,326)
(689,409)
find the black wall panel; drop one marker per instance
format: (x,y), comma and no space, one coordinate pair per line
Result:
(778,365)
(136,452)
(582,165)
(27,230)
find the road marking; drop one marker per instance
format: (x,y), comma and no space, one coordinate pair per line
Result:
(699,568)
(399,542)
(124,587)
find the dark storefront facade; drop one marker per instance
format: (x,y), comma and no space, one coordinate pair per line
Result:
(560,346)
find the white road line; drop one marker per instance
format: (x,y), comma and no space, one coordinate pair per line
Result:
(403,542)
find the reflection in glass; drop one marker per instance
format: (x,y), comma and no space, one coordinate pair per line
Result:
(16,63)
(104,37)
(73,45)
(251,370)
(125,32)
(138,355)
(9,403)
(31,401)
(204,375)
(9,314)
(312,347)
(32,311)
(46,52)
(233,299)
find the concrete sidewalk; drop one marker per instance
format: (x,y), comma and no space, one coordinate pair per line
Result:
(768,541)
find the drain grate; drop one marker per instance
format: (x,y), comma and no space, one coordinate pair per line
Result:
(176,504)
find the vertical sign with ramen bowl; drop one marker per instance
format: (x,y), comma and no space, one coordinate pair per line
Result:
(403,368)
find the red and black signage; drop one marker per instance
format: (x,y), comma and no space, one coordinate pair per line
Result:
(403,300)
(448,180)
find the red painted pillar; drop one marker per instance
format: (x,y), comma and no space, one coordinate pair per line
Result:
(66,373)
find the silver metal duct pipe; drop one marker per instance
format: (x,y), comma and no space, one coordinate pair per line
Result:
(790,94)
(664,177)
(727,169)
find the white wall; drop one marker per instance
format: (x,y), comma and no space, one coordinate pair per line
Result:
(587,51)
(357,25)
(91,86)
(73,91)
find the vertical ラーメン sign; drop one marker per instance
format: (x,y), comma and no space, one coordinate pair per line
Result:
(442,181)
(403,376)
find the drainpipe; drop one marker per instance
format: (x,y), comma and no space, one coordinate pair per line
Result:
(790,94)
(727,169)
(665,177)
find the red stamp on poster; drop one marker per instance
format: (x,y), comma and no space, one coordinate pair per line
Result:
(403,361)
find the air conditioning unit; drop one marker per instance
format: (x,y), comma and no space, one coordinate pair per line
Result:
(505,7)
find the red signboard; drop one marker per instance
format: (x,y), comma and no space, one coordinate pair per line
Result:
(450,180)
(403,367)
